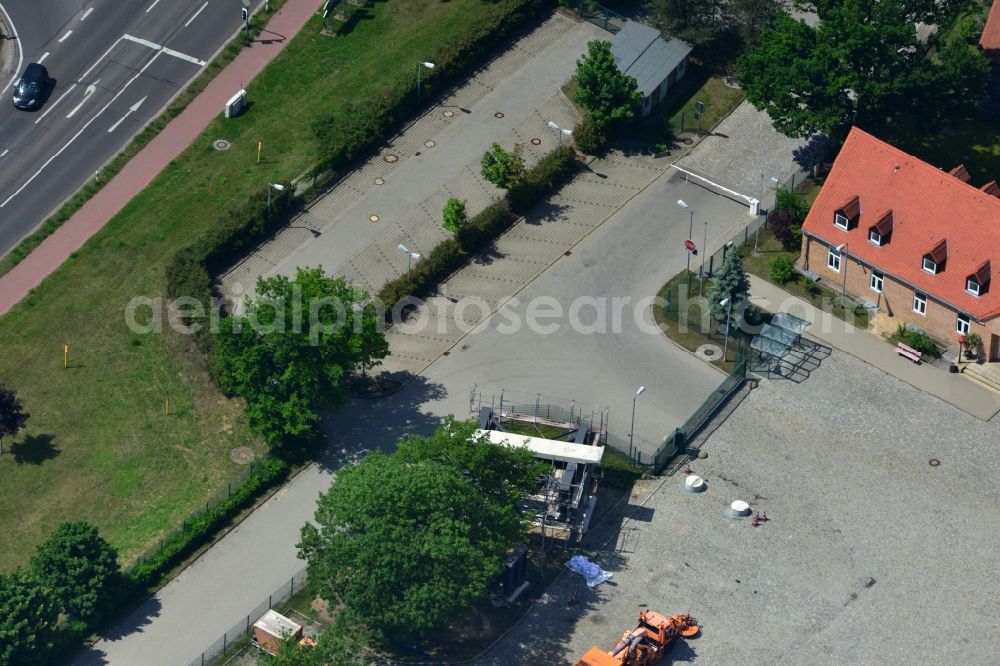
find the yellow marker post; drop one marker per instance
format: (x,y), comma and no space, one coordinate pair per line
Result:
(65,356)
(260,148)
(166,407)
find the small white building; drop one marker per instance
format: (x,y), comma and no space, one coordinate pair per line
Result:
(655,63)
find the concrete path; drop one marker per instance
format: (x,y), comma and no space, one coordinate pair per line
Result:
(142,168)
(952,388)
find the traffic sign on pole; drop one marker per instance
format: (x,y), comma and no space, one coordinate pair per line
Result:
(690,246)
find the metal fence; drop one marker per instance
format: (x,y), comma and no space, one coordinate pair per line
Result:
(597,14)
(677,442)
(220,496)
(241,630)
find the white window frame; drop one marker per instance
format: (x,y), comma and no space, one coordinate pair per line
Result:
(929,265)
(833,259)
(841,221)
(874,237)
(972,286)
(963,324)
(876,282)
(920,303)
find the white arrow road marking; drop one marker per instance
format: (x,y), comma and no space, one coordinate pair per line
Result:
(132,109)
(82,130)
(91,89)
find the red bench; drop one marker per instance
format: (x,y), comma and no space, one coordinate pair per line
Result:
(909,352)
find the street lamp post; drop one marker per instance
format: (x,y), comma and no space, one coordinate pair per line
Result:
(682,204)
(428,65)
(638,392)
(701,271)
(560,132)
(270,186)
(757,233)
(729,320)
(410,257)
(842,248)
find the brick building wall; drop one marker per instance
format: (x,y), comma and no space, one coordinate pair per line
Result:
(896,299)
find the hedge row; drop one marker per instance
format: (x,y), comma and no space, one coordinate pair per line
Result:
(199,529)
(538,183)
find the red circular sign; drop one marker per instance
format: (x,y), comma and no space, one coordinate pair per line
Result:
(689,245)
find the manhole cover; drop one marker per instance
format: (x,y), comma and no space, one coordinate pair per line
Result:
(709,352)
(536,141)
(429,144)
(220,144)
(498,114)
(687,141)
(416,154)
(448,114)
(241,455)
(373,218)
(390,158)
(379,181)
(934,462)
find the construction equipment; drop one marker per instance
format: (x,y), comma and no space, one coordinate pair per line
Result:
(646,644)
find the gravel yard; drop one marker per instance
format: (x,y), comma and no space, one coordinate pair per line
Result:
(870,555)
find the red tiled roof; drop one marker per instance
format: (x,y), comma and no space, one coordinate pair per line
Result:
(990,39)
(929,207)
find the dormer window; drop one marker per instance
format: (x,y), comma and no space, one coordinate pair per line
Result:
(847,214)
(840,221)
(874,236)
(977,283)
(879,233)
(972,286)
(933,261)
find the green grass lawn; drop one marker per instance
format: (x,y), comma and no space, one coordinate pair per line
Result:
(100,447)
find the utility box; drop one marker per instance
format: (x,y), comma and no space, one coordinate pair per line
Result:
(236,104)
(273,628)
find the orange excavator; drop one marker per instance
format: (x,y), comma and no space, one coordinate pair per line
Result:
(646,644)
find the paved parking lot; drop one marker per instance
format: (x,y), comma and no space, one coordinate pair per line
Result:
(871,555)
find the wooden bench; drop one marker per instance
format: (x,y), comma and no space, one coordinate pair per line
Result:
(909,352)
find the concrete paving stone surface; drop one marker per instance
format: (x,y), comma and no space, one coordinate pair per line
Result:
(866,546)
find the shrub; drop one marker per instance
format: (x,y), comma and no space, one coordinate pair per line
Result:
(786,228)
(551,172)
(811,287)
(781,270)
(484,227)
(789,202)
(198,530)
(589,137)
(917,339)
(454,215)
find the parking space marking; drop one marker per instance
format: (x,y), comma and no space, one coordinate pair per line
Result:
(164,49)
(66,36)
(195,15)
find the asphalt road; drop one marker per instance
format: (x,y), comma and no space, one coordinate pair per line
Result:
(115,64)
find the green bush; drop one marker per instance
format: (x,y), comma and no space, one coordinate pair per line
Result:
(789,202)
(917,339)
(484,227)
(589,137)
(811,287)
(781,270)
(551,172)
(198,530)
(453,215)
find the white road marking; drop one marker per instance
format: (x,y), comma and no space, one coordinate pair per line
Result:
(53,105)
(66,36)
(82,129)
(44,56)
(5,151)
(164,49)
(91,89)
(20,51)
(195,15)
(132,109)
(151,6)
(86,14)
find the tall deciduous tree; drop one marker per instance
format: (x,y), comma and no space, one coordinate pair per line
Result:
(27,619)
(862,65)
(691,20)
(288,355)
(78,567)
(731,282)
(12,414)
(602,89)
(503,168)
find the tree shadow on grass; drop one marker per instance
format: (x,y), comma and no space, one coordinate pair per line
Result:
(34,450)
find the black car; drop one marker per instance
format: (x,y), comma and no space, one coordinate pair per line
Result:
(29,90)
